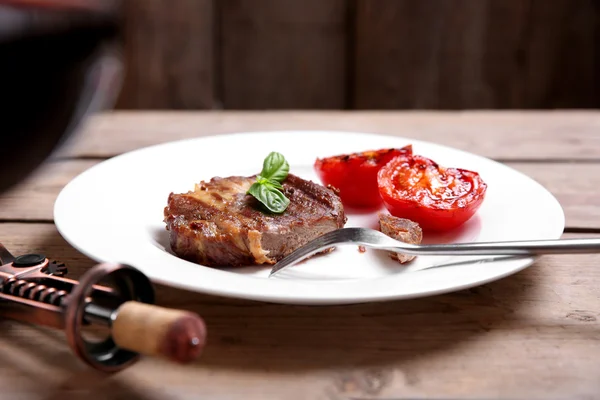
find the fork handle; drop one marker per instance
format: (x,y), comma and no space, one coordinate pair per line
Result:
(526,247)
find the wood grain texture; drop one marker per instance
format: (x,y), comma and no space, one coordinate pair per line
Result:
(532,335)
(283,53)
(501,135)
(169,55)
(576,187)
(456,54)
(33,199)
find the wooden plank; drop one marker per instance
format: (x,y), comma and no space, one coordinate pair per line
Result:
(530,335)
(457,54)
(168,55)
(283,53)
(34,198)
(505,135)
(576,186)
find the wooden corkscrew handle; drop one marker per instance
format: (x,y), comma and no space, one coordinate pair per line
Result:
(151,330)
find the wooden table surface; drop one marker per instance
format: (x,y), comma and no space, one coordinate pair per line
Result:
(533,335)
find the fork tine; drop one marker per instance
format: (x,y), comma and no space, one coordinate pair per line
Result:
(321,243)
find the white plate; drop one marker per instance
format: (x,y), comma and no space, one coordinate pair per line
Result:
(114,212)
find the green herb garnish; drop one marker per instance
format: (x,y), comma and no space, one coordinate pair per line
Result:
(267,187)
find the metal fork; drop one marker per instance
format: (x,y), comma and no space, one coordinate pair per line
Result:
(377,240)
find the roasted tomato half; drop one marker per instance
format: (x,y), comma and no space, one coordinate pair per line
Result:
(355,175)
(437,198)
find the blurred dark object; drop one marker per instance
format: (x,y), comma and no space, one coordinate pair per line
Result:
(60,61)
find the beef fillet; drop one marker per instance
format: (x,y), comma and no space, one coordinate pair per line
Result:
(403,230)
(218,224)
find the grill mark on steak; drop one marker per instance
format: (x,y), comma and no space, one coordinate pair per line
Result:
(218,224)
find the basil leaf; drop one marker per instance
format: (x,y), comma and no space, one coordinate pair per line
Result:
(274,184)
(265,181)
(275,167)
(267,188)
(269,196)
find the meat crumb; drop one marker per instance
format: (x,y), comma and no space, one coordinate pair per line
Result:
(403,230)
(361,249)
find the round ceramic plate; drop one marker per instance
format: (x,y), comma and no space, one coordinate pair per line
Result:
(114,212)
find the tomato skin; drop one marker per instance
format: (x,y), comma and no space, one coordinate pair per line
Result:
(355,174)
(437,198)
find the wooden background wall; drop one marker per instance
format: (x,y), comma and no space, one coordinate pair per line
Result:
(361,54)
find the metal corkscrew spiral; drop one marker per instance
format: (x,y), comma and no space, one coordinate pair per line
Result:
(33,291)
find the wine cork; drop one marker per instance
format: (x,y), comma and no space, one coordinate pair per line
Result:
(147,329)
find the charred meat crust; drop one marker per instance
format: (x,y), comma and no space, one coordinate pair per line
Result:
(401,229)
(218,224)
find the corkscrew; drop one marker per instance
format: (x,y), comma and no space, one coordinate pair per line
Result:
(33,289)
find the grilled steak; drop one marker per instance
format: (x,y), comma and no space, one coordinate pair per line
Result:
(401,229)
(218,224)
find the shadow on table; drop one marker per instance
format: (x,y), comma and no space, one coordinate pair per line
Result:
(269,337)
(46,368)
(246,335)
